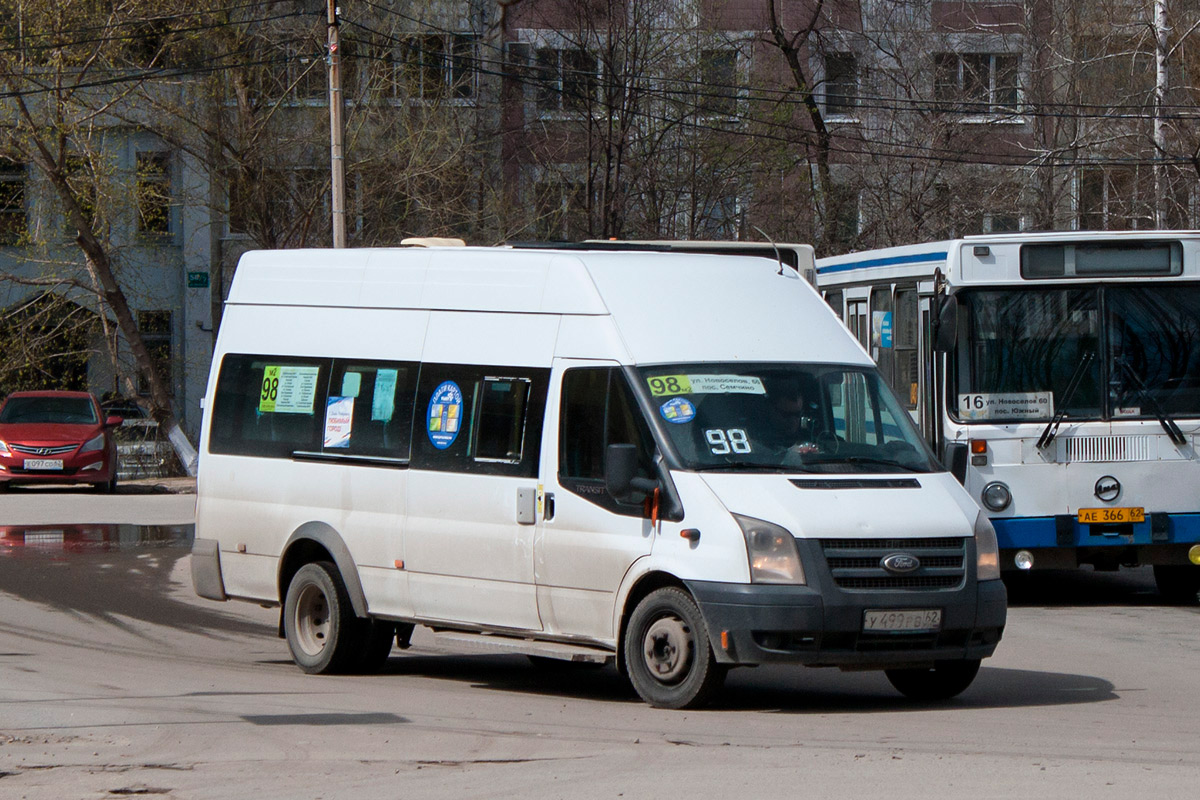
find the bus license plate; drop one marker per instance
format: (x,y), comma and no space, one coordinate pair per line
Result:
(43,463)
(902,620)
(1100,516)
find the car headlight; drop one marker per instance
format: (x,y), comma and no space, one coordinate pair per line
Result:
(995,496)
(4,451)
(772,552)
(987,552)
(93,444)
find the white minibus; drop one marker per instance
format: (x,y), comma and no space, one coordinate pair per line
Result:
(678,461)
(1058,375)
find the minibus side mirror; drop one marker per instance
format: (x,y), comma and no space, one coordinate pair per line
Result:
(945,325)
(620,472)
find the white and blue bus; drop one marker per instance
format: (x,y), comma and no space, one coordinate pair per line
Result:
(1058,376)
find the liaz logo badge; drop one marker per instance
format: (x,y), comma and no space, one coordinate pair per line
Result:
(1108,488)
(900,563)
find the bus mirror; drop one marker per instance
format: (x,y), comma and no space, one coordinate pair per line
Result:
(620,472)
(945,325)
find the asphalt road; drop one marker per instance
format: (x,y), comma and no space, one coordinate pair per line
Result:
(116,680)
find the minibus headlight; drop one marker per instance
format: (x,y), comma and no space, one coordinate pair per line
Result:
(995,496)
(93,444)
(987,552)
(772,552)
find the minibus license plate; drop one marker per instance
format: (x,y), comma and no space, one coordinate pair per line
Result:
(1100,516)
(909,619)
(43,463)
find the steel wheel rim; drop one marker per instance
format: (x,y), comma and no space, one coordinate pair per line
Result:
(667,649)
(311,620)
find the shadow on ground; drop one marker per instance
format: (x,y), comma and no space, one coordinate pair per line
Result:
(112,573)
(775,689)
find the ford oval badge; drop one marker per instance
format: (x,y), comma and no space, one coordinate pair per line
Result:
(900,563)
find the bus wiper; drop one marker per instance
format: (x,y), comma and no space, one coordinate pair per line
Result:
(1051,429)
(1164,419)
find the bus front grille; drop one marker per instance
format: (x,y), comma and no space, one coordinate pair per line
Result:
(1095,449)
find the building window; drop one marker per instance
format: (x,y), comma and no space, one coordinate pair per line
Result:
(155,327)
(308,75)
(153,193)
(719,87)
(14,225)
(567,79)
(841,84)
(976,83)
(438,66)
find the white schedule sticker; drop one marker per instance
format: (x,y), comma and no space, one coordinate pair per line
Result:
(1006,407)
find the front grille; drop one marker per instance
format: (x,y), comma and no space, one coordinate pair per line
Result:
(35,450)
(1099,449)
(857,564)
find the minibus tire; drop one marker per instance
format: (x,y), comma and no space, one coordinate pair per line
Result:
(667,652)
(319,623)
(944,680)
(1178,584)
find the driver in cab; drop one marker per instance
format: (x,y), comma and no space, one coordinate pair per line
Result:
(790,422)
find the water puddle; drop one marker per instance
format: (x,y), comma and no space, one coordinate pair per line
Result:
(92,538)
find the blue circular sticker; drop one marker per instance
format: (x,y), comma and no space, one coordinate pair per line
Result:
(445,415)
(677,410)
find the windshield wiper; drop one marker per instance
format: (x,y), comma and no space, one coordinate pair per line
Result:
(1051,429)
(1164,419)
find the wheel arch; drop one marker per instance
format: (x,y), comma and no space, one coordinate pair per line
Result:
(317,541)
(643,586)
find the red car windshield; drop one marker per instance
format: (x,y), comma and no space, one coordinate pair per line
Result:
(61,410)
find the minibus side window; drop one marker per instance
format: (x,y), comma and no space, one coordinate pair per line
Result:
(479,419)
(598,409)
(369,409)
(268,405)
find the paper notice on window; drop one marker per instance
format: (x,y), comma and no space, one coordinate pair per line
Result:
(339,418)
(288,390)
(383,401)
(1006,407)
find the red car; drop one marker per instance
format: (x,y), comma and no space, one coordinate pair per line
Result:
(56,437)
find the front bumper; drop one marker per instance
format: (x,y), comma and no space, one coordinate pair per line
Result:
(92,467)
(821,623)
(1062,542)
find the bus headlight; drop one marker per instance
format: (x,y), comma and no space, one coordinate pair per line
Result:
(995,496)
(772,552)
(987,552)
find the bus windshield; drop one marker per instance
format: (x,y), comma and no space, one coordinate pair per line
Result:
(1097,352)
(785,418)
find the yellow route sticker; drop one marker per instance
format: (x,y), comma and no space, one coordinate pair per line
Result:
(663,385)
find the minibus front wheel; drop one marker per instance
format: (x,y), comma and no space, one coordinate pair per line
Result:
(319,623)
(667,652)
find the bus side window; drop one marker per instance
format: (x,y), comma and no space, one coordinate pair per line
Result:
(834,299)
(598,409)
(377,396)
(268,405)
(479,419)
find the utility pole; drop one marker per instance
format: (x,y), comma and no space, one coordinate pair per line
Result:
(337,182)
(1160,98)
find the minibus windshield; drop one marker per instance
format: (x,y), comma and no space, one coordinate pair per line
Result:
(1136,349)
(784,417)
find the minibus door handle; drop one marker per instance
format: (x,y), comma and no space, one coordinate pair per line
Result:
(548,512)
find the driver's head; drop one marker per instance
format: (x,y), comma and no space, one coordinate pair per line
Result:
(788,402)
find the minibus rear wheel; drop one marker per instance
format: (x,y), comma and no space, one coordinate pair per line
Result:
(322,631)
(944,680)
(667,652)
